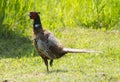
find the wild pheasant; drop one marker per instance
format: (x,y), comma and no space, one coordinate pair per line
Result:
(47,45)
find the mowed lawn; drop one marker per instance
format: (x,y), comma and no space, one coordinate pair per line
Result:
(19,60)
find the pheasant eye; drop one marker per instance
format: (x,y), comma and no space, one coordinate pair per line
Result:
(32,15)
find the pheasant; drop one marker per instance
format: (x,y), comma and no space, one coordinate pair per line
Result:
(47,45)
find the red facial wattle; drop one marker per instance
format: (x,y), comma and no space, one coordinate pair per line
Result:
(32,15)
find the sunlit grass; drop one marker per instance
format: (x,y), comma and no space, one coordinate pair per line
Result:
(68,20)
(56,14)
(26,65)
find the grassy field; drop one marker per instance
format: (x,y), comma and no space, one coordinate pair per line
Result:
(55,14)
(83,24)
(19,61)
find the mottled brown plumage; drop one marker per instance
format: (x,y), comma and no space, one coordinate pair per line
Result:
(46,43)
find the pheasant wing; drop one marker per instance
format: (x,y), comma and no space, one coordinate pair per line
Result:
(43,48)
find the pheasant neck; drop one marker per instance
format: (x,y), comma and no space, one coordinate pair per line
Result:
(37,26)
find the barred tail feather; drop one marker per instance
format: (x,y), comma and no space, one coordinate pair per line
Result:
(70,50)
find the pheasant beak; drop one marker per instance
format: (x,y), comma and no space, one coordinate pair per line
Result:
(30,15)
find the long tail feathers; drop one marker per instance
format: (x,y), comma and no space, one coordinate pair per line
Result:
(69,50)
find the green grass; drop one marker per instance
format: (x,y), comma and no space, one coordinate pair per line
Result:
(72,22)
(20,61)
(55,14)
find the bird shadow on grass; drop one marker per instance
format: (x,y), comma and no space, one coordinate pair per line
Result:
(58,71)
(64,71)
(14,45)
